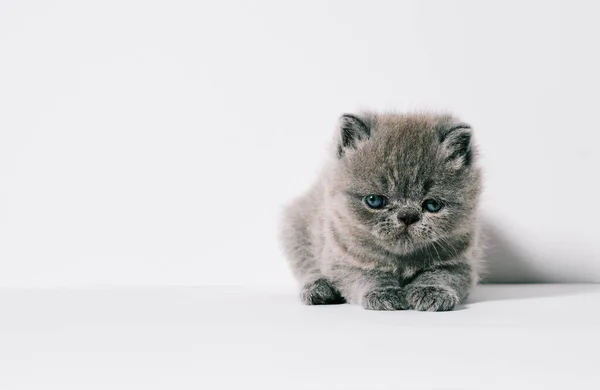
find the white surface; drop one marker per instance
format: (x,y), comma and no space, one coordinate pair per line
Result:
(154,142)
(507,337)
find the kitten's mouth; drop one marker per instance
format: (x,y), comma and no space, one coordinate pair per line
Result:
(403,233)
(398,235)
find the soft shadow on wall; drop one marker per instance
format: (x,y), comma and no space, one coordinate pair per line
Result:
(509,263)
(509,259)
(506,262)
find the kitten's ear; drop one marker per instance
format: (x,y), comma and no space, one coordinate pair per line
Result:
(352,131)
(455,138)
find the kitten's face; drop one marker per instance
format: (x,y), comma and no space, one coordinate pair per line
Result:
(407,180)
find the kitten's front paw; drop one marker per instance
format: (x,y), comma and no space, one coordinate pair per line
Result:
(320,292)
(389,298)
(431,298)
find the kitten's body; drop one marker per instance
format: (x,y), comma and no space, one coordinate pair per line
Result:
(341,250)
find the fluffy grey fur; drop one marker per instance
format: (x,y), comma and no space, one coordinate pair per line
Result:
(399,256)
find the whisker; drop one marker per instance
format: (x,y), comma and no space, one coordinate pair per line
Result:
(447,245)
(436,251)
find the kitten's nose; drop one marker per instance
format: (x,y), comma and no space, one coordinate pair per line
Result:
(408,217)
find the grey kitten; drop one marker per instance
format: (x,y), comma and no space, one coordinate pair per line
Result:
(391,223)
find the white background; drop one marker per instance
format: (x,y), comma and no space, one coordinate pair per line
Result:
(155,142)
(507,337)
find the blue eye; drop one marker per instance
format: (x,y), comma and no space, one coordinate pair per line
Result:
(432,205)
(375,201)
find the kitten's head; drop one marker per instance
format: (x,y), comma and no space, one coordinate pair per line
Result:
(406,179)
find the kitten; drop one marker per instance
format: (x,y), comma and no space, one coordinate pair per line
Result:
(391,222)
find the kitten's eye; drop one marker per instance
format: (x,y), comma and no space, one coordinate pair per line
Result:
(432,205)
(375,201)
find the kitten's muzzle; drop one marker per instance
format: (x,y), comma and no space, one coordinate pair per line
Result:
(408,217)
